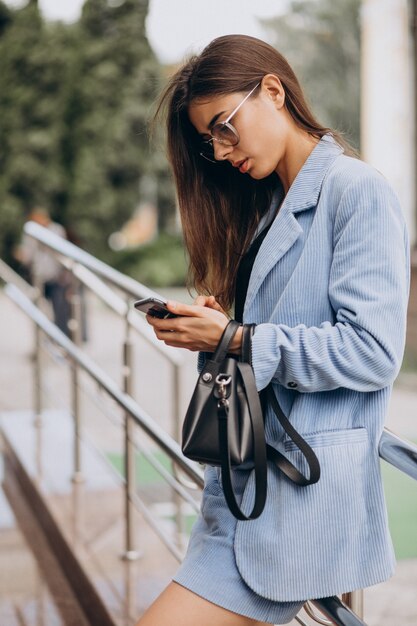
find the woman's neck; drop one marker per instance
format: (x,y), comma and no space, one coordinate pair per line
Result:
(299,147)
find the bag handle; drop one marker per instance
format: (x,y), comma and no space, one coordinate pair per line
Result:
(259,448)
(223,345)
(247,332)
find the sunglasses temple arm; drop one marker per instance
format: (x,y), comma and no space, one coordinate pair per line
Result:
(241,104)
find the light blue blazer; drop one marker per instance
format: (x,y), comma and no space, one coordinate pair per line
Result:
(328,292)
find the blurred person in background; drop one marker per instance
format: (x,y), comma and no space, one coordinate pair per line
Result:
(45,270)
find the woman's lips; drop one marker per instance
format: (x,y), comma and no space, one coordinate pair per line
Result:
(244,166)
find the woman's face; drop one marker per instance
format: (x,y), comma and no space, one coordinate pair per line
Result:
(262,122)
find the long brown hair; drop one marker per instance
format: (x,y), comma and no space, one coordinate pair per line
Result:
(219,207)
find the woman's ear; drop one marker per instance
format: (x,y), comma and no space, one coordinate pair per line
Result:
(273,89)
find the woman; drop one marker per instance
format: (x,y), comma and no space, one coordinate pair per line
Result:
(328,291)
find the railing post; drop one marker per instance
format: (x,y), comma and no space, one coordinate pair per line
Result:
(354,600)
(77,476)
(178,503)
(130,591)
(37,378)
(130,553)
(77,509)
(40,597)
(74,326)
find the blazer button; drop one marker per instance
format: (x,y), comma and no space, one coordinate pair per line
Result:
(292,385)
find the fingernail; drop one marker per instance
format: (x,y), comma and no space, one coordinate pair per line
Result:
(172,304)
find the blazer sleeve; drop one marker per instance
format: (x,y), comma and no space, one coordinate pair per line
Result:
(368,291)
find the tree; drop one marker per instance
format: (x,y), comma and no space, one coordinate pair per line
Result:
(5,17)
(31,64)
(120,80)
(321,39)
(74,105)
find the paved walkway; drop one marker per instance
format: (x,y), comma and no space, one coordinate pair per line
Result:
(391,604)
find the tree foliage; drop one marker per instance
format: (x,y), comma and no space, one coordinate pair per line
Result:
(75,101)
(74,105)
(29,135)
(321,40)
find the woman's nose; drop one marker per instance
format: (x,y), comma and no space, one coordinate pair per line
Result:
(221,151)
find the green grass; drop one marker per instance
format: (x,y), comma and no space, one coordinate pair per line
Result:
(400,492)
(401,496)
(409,364)
(147,475)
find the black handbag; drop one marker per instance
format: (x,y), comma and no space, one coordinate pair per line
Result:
(224,423)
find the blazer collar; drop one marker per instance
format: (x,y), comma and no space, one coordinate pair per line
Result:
(305,189)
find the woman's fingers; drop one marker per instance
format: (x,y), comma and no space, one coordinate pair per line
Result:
(210,302)
(196,327)
(201,300)
(179,308)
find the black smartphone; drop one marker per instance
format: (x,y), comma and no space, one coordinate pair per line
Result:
(154,307)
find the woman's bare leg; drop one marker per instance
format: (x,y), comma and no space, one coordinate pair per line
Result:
(178,606)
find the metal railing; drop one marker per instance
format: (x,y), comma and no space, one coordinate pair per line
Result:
(106,283)
(138,416)
(94,275)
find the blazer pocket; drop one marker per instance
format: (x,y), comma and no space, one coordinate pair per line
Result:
(329,520)
(318,536)
(331,438)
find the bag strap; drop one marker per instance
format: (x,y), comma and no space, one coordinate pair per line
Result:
(276,457)
(223,345)
(280,460)
(259,448)
(261,452)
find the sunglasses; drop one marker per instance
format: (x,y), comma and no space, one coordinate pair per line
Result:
(223,132)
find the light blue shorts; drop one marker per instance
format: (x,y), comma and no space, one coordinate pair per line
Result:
(209,568)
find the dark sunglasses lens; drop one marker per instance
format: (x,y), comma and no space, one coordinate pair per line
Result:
(225,134)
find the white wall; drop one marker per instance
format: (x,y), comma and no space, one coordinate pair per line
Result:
(387,102)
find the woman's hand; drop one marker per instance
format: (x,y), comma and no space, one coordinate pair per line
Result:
(198,328)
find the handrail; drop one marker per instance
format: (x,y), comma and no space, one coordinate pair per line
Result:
(62,246)
(400,453)
(97,286)
(10,276)
(126,402)
(116,291)
(87,270)
(338,612)
(121,307)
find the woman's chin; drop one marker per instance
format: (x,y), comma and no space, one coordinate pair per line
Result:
(258,172)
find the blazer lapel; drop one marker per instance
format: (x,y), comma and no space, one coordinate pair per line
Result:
(284,232)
